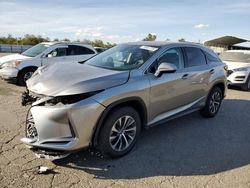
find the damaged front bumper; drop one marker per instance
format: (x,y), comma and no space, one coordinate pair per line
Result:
(60,129)
(27,99)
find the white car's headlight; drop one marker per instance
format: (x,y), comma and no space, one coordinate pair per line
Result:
(242,69)
(11,64)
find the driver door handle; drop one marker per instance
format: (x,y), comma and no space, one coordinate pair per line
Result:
(185,76)
(211,71)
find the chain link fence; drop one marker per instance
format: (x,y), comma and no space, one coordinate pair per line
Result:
(7,48)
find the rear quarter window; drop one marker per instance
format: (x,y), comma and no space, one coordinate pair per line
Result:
(211,58)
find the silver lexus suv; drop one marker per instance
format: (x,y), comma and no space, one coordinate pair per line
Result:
(108,100)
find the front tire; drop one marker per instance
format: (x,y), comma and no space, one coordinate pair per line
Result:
(213,103)
(120,132)
(24,75)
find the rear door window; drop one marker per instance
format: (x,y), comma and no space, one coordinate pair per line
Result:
(79,50)
(194,57)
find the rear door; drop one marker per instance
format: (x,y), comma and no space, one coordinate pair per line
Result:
(198,73)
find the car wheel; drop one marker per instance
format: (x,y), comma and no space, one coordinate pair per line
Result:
(246,86)
(213,103)
(25,75)
(120,132)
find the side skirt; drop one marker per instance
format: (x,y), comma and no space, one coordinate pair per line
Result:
(181,111)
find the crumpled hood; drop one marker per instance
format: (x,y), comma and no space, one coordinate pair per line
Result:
(12,57)
(235,65)
(74,78)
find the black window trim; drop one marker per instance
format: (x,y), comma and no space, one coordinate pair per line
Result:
(207,62)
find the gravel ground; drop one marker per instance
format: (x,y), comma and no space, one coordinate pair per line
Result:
(187,152)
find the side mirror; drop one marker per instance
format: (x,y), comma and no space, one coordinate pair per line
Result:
(165,68)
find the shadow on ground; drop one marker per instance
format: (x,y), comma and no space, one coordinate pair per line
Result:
(237,88)
(190,145)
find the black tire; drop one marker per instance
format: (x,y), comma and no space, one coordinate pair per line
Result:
(246,86)
(213,103)
(105,144)
(22,77)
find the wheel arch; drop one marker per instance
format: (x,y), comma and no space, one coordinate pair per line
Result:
(222,86)
(25,68)
(134,102)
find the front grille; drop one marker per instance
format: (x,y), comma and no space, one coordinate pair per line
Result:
(239,78)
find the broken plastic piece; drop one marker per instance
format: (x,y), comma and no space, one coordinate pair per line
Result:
(42,169)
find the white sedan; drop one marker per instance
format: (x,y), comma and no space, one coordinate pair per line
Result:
(20,67)
(238,62)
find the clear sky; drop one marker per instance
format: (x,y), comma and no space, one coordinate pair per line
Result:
(120,21)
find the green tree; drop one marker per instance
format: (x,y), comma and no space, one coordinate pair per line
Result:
(87,41)
(182,40)
(150,37)
(66,40)
(33,40)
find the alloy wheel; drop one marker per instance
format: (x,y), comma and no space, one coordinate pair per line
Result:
(215,101)
(27,76)
(123,133)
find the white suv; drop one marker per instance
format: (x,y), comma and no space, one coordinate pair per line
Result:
(238,62)
(20,67)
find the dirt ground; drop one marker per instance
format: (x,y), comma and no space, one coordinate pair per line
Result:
(187,152)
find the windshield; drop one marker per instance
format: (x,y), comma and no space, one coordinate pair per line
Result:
(123,57)
(235,56)
(35,50)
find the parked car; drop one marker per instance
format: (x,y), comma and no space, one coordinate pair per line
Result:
(20,67)
(238,62)
(107,101)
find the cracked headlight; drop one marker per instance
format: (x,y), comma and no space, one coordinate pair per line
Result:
(70,99)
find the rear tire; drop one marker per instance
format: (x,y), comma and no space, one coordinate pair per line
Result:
(213,103)
(24,75)
(119,132)
(246,86)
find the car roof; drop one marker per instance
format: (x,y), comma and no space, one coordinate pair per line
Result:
(96,47)
(162,43)
(66,43)
(178,44)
